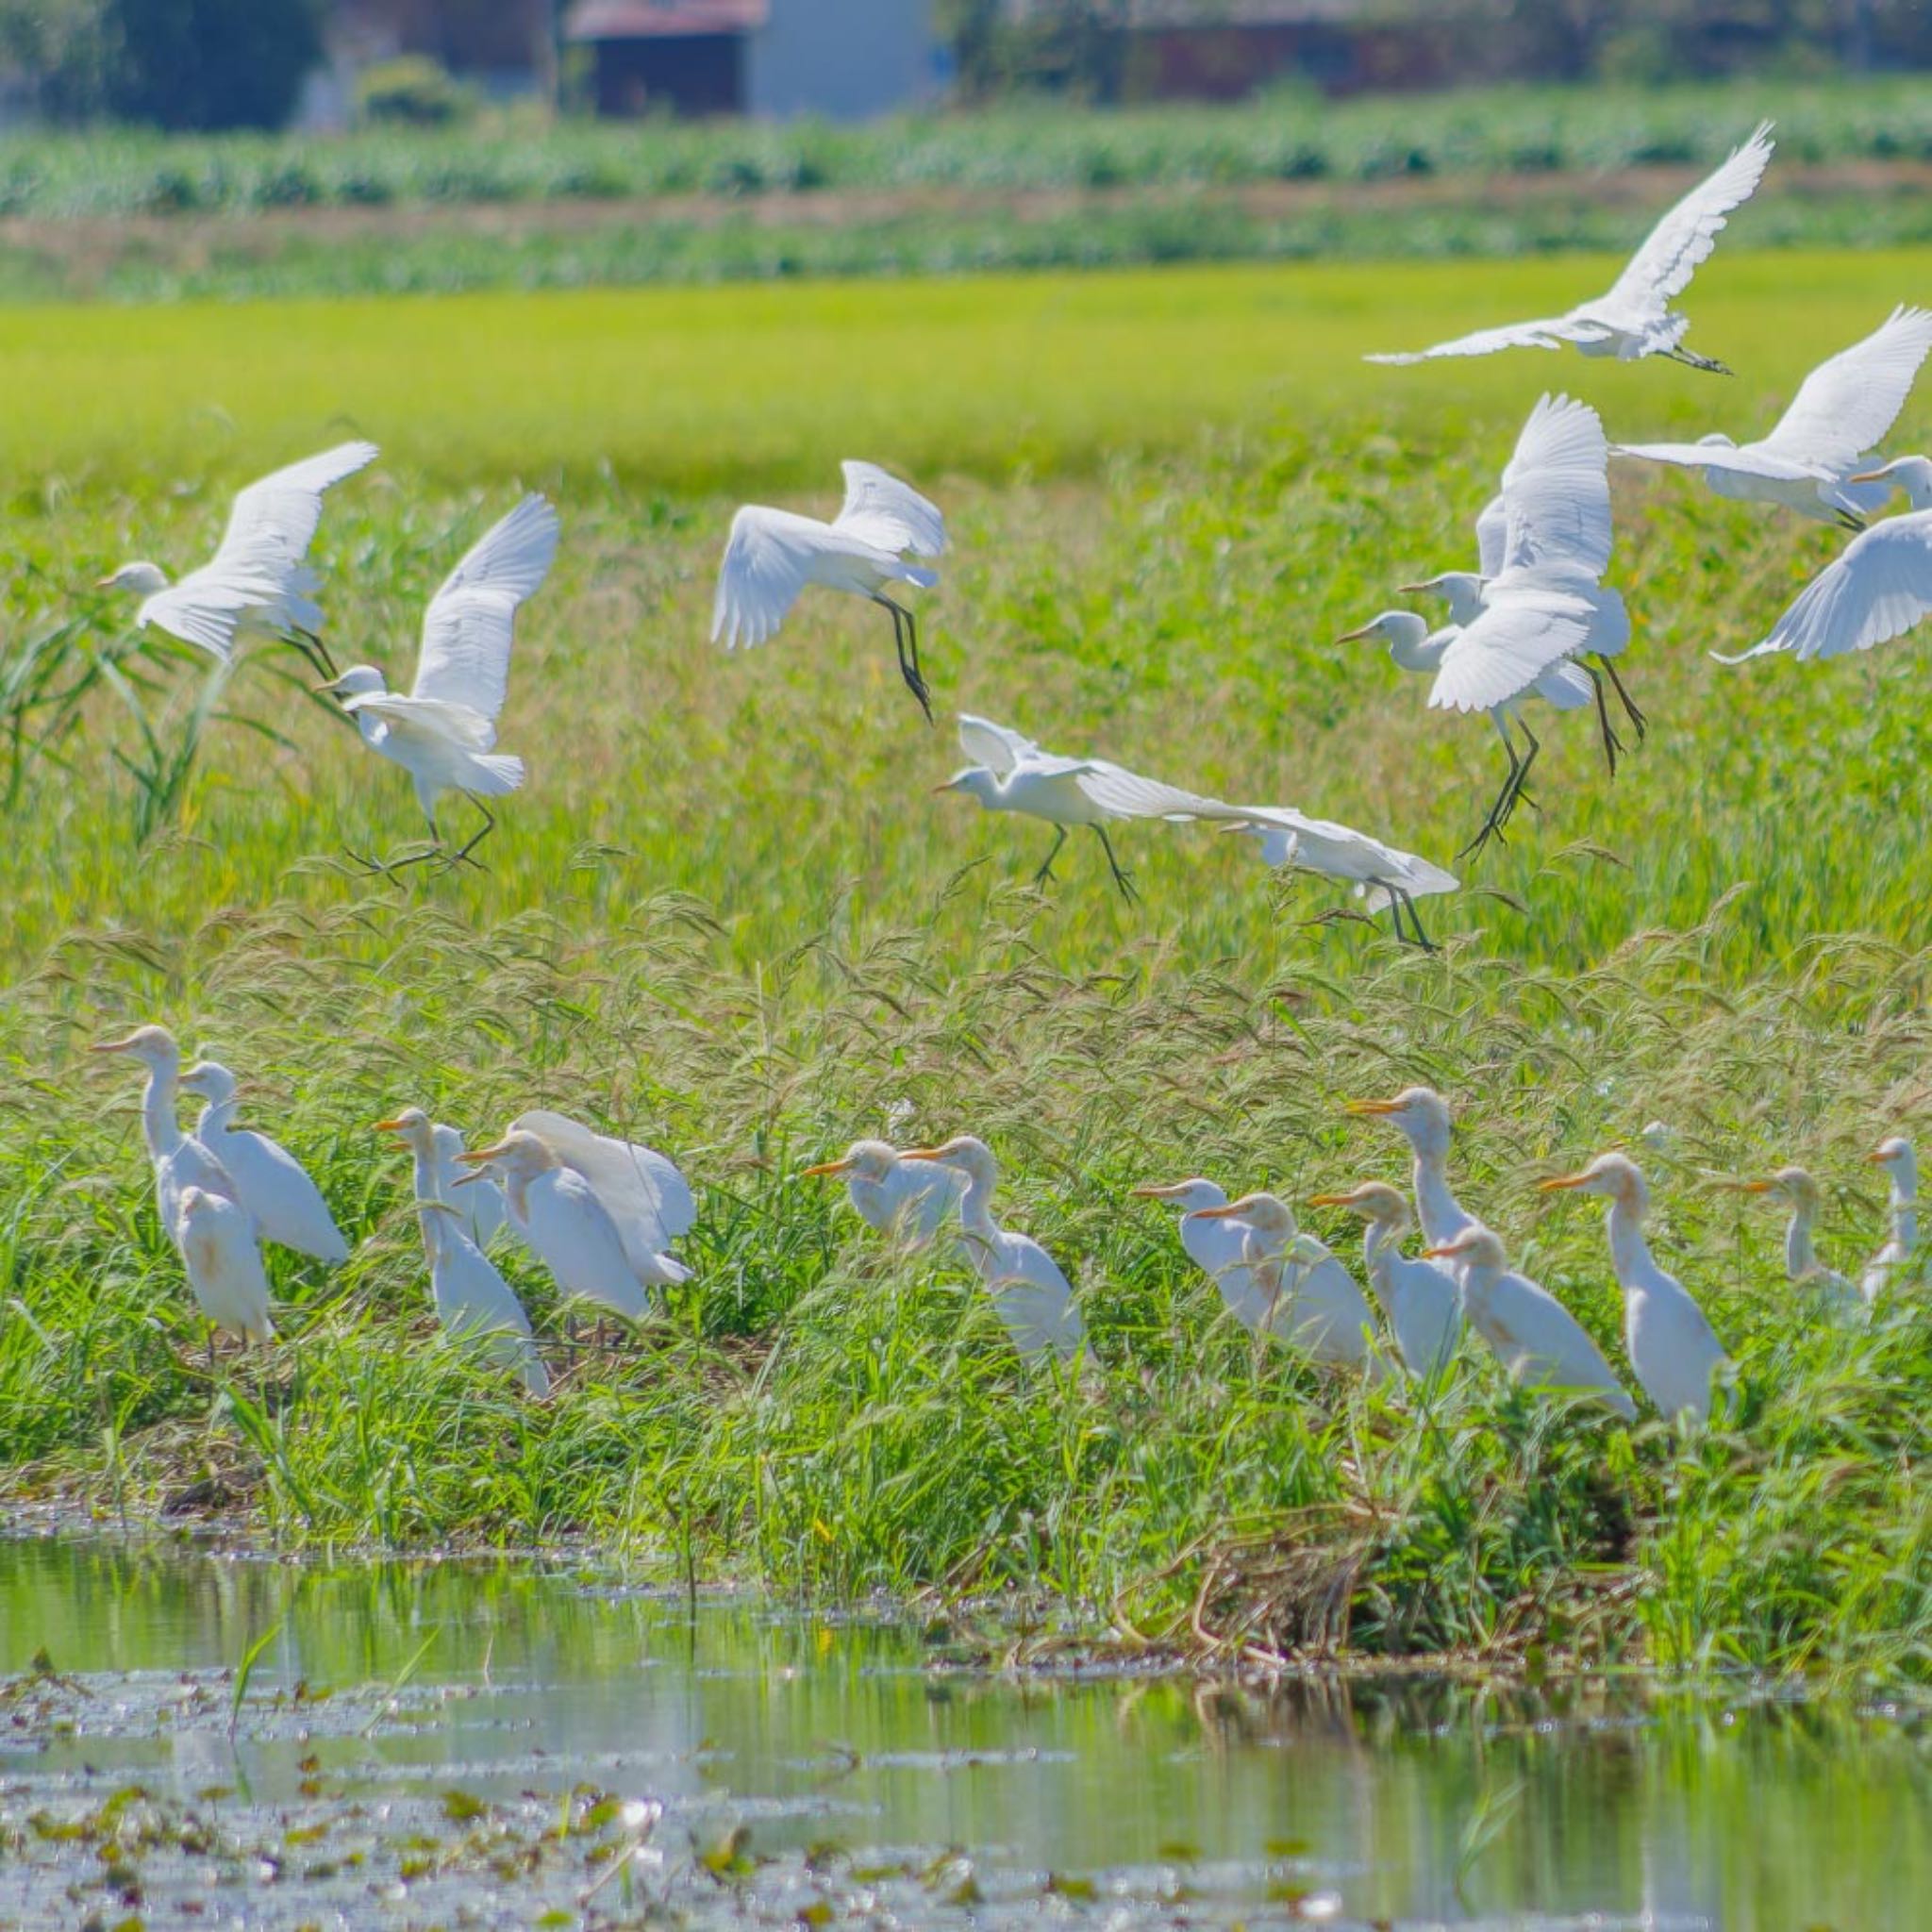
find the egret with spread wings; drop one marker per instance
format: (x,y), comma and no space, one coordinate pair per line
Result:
(1635,319)
(259,579)
(773,554)
(442,730)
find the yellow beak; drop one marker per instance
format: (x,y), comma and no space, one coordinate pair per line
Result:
(830,1167)
(1561,1181)
(1373,1108)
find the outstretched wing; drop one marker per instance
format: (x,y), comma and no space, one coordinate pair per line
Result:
(469,627)
(1515,639)
(1751,460)
(1662,268)
(998,747)
(1876,591)
(1551,333)
(281,511)
(641,1191)
(1493,535)
(207,607)
(1557,490)
(1847,404)
(891,515)
(1129,796)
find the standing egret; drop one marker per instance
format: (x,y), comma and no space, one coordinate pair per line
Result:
(649,1201)
(1421,1116)
(1901,1166)
(773,554)
(269,1181)
(223,1265)
(1306,1296)
(441,730)
(1015,775)
(1214,1243)
(476,1305)
(1670,1343)
(180,1160)
(259,579)
(1843,409)
(907,1201)
(1877,589)
(563,1222)
(1634,319)
(1796,1188)
(1419,1299)
(1538,1341)
(481,1208)
(1034,1298)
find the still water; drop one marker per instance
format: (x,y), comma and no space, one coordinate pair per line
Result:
(860,1758)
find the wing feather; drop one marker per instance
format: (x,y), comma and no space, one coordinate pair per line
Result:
(1515,639)
(1877,590)
(1557,490)
(642,1190)
(1672,252)
(1746,459)
(1129,796)
(1549,334)
(284,507)
(998,747)
(1848,404)
(881,510)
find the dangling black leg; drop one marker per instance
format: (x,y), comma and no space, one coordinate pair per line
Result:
(1119,878)
(1629,704)
(908,665)
(1045,871)
(461,855)
(1397,898)
(1499,810)
(1518,796)
(1691,359)
(1612,744)
(314,650)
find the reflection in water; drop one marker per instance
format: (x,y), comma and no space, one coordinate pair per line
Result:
(1428,1800)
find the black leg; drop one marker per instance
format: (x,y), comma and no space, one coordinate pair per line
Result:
(1119,878)
(1492,825)
(1691,359)
(1045,871)
(1629,704)
(908,664)
(1612,744)
(1518,796)
(314,650)
(461,855)
(1850,520)
(1422,939)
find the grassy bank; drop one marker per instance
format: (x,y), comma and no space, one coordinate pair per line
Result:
(728,916)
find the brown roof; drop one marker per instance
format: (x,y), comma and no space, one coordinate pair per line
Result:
(650,20)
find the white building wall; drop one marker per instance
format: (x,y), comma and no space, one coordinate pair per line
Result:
(844,59)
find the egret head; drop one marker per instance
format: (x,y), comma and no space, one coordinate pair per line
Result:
(1191,1198)
(864,1161)
(1613,1174)
(1401,630)
(971,1156)
(1269,1215)
(195,1201)
(1476,1246)
(1790,1185)
(210,1081)
(1374,1201)
(1462,587)
(1896,1157)
(154,1046)
(518,1157)
(411,1126)
(139,579)
(357,681)
(1913,474)
(976,781)
(1418,1113)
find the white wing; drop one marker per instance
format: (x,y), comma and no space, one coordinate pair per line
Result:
(635,1183)
(1127,795)
(998,747)
(1749,460)
(891,515)
(1847,404)
(1551,333)
(768,558)
(208,605)
(467,629)
(1503,652)
(1557,490)
(1493,536)
(1877,590)
(284,507)
(1662,268)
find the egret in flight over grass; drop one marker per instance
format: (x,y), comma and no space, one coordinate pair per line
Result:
(442,730)
(1877,589)
(1670,1343)
(269,1181)
(1843,409)
(1901,1167)
(907,1201)
(1635,318)
(179,1161)
(1013,774)
(1419,1299)
(259,579)
(1796,1188)
(771,555)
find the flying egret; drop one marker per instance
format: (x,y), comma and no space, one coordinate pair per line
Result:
(1419,1299)
(1034,1299)
(268,1180)
(1421,1116)
(476,1305)
(1014,774)
(259,579)
(1214,1244)
(563,1221)
(1842,409)
(179,1161)
(441,730)
(1382,875)
(907,1201)
(649,1201)
(1877,589)
(1901,1166)
(773,554)
(224,1264)
(1634,319)
(1670,1343)
(1538,1342)
(1796,1188)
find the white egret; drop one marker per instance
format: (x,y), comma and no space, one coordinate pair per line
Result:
(481,1208)
(1634,318)
(773,554)
(477,1307)
(269,1181)
(224,1264)
(1306,1296)
(1670,1343)
(1901,1166)
(1796,1188)
(563,1222)
(1034,1298)
(259,579)
(1538,1341)
(1419,1299)
(1877,589)
(180,1160)
(442,731)
(1213,1244)
(1382,875)
(1842,409)
(649,1201)
(907,1201)
(1421,1116)
(1013,774)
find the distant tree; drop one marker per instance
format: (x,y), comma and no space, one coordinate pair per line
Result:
(62,47)
(210,63)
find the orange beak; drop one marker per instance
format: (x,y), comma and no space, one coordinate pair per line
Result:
(1448,1251)
(1561,1181)
(1874,1157)
(1331,1199)
(1349,637)
(830,1167)
(388,1128)
(1374,1110)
